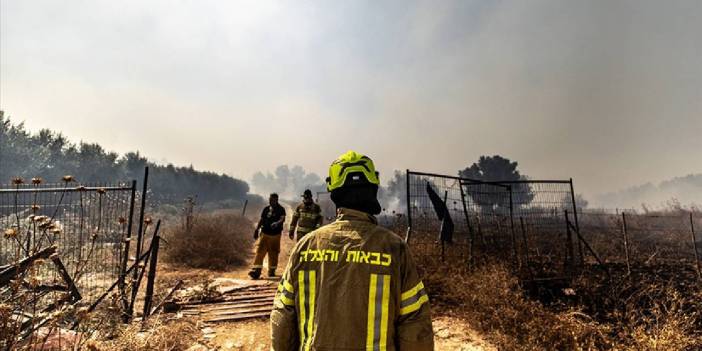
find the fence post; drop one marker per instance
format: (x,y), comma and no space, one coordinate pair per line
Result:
(139,243)
(243,212)
(137,284)
(577,223)
(441,229)
(511,227)
(694,245)
(625,233)
(569,247)
(151,278)
(140,235)
(471,234)
(125,259)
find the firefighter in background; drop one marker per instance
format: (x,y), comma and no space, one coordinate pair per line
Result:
(351,285)
(270,227)
(306,218)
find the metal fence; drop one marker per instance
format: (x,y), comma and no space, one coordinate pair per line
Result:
(391,219)
(524,222)
(424,222)
(87,224)
(68,245)
(633,241)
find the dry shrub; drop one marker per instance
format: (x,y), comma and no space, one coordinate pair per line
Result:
(216,241)
(159,335)
(490,299)
(645,311)
(668,327)
(636,316)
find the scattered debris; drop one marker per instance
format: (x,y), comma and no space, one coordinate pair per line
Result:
(234,300)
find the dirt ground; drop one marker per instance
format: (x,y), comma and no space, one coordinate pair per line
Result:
(451,333)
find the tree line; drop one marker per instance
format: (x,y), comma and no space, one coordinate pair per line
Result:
(50,156)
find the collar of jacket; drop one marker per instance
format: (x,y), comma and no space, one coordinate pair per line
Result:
(347,214)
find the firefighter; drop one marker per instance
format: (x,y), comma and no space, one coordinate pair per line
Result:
(351,285)
(270,227)
(307,216)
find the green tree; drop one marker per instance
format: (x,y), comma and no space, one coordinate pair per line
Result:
(492,168)
(495,197)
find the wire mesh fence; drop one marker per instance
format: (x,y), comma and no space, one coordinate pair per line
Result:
(542,209)
(87,224)
(522,222)
(388,218)
(537,228)
(634,241)
(68,247)
(427,220)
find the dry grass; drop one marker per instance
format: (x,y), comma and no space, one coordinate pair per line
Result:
(646,311)
(491,300)
(648,317)
(159,335)
(216,241)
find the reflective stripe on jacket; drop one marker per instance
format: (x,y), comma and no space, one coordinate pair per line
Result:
(351,285)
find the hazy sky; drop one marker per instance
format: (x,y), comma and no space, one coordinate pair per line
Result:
(607,92)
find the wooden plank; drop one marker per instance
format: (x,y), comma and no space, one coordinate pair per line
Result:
(253,288)
(239,289)
(216,307)
(251,292)
(11,271)
(231,299)
(75,294)
(229,307)
(241,311)
(240,297)
(239,317)
(227,303)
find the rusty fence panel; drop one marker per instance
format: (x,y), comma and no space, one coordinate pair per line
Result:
(87,223)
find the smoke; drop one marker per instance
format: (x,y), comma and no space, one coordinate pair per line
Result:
(288,182)
(686,191)
(393,196)
(593,90)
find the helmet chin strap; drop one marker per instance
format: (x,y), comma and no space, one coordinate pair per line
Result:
(362,198)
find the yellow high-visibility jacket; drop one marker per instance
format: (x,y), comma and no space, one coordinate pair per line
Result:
(306,218)
(351,285)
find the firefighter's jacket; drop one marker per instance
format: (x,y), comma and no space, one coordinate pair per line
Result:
(307,218)
(351,285)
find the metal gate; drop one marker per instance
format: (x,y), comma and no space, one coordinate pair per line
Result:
(84,226)
(530,224)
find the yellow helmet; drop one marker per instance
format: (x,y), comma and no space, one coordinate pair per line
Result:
(360,166)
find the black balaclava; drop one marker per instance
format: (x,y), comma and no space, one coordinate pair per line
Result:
(361,197)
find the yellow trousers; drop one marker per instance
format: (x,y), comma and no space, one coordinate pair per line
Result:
(267,245)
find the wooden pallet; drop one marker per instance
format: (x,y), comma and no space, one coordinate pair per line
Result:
(241,304)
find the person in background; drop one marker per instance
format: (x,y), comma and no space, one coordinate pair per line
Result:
(307,216)
(270,227)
